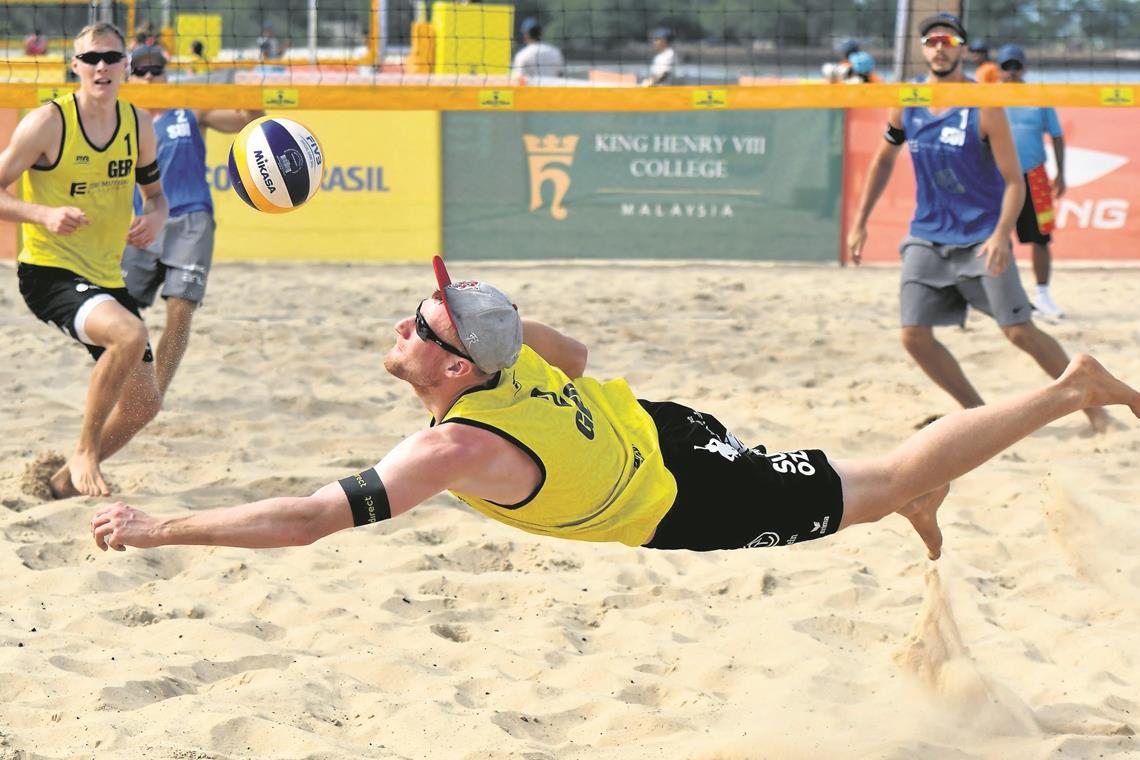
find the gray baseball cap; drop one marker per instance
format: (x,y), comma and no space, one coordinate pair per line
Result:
(488,323)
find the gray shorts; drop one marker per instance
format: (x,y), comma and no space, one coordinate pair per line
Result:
(179,260)
(939,281)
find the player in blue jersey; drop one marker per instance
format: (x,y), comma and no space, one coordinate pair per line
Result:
(1035,225)
(970,193)
(180,257)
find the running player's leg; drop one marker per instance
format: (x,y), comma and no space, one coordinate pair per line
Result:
(124,339)
(174,340)
(1042,261)
(928,298)
(939,364)
(187,256)
(913,478)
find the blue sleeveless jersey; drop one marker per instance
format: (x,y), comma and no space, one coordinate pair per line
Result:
(182,160)
(959,185)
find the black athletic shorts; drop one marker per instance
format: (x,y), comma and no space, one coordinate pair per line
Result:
(59,296)
(730,496)
(1028,230)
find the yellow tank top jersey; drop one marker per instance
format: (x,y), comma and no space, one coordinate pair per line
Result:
(603,477)
(101,181)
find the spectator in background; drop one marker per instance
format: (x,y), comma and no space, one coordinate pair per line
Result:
(1035,225)
(854,66)
(269,46)
(199,64)
(663,70)
(537,58)
(35,43)
(985,70)
(145,35)
(861,69)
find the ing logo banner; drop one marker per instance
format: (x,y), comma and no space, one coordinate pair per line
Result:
(380,197)
(549,159)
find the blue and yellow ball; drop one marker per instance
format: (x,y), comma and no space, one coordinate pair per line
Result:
(275,164)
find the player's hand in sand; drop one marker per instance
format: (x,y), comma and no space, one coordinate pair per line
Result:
(856,239)
(119,525)
(65,219)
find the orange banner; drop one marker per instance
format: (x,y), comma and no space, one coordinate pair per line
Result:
(1094,218)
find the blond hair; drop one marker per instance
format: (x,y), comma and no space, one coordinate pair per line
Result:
(101,29)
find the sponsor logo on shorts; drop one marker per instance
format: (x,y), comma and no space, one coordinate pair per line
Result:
(820,527)
(717,446)
(767,538)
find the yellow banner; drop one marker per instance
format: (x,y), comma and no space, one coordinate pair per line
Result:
(380,199)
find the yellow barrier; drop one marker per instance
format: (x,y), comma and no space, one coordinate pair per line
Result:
(485,98)
(380,199)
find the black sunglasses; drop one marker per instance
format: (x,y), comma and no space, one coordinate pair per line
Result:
(142,71)
(423,329)
(1012,66)
(109,56)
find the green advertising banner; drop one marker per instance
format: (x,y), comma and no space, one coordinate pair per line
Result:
(715,184)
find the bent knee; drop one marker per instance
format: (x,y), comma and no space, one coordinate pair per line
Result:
(1023,335)
(917,339)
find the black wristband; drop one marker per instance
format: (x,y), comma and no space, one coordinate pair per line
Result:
(366,497)
(144,175)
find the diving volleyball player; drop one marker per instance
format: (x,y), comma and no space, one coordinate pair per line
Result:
(522,436)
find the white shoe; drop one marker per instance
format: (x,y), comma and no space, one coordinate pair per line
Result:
(1044,304)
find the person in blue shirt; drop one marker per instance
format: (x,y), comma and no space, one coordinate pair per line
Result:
(179,258)
(1035,225)
(957,255)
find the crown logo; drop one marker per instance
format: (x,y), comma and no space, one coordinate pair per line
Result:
(550,144)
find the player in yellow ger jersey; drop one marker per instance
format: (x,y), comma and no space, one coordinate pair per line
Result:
(81,156)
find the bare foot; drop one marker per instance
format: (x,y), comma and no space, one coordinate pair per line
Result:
(86,477)
(923,515)
(60,485)
(1099,386)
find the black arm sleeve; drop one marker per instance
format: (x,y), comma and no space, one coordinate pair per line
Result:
(144,175)
(366,497)
(894,135)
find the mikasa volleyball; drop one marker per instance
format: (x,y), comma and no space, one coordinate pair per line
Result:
(275,164)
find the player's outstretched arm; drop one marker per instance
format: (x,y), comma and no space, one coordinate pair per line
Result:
(419,467)
(878,174)
(564,352)
(995,128)
(228,120)
(35,141)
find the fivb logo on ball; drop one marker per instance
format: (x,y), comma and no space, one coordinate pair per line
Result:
(275,164)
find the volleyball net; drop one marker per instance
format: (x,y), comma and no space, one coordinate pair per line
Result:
(563,45)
